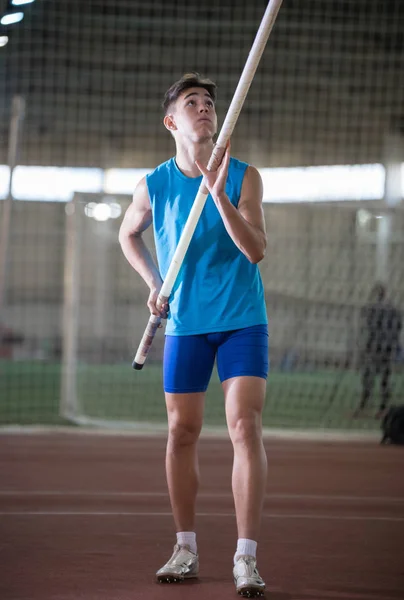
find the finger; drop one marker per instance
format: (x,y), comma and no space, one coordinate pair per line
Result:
(226,160)
(226,152)
(163,310)
(153,309)
(161,304)
(224,167)
(202,169)
(219,164)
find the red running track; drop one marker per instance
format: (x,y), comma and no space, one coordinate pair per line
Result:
(88,517)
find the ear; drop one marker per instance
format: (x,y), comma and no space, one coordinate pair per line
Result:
(169,123)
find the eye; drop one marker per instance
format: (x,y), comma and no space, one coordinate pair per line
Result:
(209,103)
(191,103)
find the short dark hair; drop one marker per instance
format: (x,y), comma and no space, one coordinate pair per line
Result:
(188,80)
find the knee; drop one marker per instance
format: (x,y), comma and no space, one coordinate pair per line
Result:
(246,429)
(183,433)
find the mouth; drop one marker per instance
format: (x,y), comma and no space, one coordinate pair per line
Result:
(204,120)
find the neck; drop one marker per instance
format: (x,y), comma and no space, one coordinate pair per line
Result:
(187,154)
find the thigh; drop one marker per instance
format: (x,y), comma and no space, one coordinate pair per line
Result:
(188,364)
(244,402)
(244,353)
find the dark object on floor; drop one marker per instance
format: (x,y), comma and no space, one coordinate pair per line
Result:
(393,426)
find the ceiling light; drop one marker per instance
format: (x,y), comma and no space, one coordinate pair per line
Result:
(11,18)
(101,212)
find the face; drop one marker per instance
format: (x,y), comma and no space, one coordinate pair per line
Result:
(193,116)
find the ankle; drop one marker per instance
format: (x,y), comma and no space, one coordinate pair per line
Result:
(187,538)
(245,547)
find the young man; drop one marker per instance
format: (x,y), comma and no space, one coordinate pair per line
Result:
(217,310)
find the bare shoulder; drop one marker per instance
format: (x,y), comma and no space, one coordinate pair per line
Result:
(252,184)
(252,172)
(138,215)
(141,194)
(250,202)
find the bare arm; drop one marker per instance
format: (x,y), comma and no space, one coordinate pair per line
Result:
(137,219)
(245,224)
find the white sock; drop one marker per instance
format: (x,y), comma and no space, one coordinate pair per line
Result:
(245,548)
(187,538)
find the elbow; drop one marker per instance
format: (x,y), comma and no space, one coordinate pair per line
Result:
(256,257)
(123,237)
(258,254)
(124,234)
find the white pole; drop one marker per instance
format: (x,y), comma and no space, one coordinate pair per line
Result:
(393,157)
(236,105)
(70,328)
(17,116)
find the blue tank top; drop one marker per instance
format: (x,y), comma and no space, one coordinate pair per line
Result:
(217,288)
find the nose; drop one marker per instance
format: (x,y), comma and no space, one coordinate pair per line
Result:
(203,108)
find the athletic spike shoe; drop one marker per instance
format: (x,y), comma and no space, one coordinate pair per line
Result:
(183,564)
(247,579)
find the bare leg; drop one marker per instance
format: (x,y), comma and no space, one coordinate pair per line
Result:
(185,417)
(244,397)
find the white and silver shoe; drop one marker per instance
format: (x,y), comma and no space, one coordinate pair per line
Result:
(248,581)
(183,564)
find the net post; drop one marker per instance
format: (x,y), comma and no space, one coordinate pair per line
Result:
(68,408)
(17,117)
(393,153)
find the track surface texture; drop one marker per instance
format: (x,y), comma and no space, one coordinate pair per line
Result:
(88,517)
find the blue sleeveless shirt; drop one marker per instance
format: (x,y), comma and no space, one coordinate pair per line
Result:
(217,288)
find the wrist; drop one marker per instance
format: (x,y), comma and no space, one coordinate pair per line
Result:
(221,198)
(155,284)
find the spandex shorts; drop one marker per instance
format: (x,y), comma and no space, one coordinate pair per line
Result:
(189,359)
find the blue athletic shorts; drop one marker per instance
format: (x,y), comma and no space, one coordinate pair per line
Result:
(189,359)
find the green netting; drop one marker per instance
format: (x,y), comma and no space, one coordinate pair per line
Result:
(329,91)
(115,392)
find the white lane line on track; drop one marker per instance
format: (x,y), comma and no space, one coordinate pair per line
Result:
(351,595)
(302,516)
(206,495)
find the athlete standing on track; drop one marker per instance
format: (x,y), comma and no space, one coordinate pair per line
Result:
(217,310)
